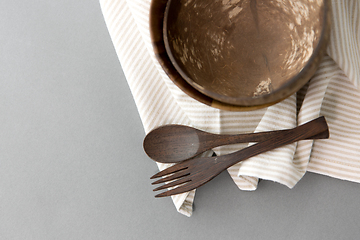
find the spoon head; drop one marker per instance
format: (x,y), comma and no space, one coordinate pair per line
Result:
(172,143)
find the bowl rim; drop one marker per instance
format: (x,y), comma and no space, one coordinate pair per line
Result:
(179,78)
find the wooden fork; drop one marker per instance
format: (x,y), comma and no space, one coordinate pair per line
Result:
(193,173)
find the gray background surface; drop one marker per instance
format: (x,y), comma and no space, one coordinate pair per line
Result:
(71,158)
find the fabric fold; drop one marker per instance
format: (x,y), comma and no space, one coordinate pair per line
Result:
(275,165)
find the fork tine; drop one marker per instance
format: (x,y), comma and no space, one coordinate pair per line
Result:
(173,184)
(173,169)
(178,190)
(171,177)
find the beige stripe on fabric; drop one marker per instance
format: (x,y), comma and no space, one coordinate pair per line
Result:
(344,45)
(339,156)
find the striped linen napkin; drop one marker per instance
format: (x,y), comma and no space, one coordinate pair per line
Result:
(332,92)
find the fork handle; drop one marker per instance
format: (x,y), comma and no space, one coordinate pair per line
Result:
(308,130)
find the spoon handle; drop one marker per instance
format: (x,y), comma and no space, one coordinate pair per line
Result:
(216,140)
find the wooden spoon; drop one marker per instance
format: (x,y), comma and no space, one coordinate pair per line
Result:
(175,143)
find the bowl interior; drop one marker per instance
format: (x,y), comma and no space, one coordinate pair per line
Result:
(244,52)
